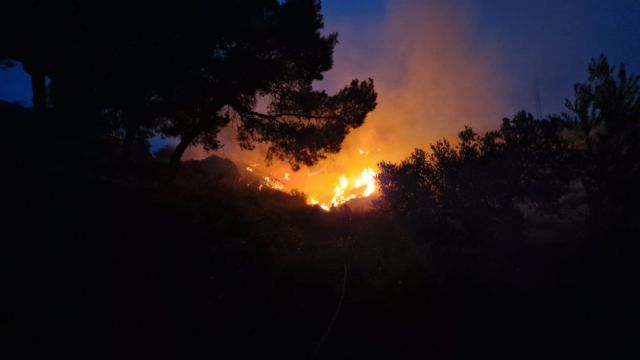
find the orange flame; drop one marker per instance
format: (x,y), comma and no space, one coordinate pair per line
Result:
(362,186)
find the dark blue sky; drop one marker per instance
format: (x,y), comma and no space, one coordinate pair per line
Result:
(552,38)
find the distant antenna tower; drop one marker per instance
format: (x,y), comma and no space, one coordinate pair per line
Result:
(536,93)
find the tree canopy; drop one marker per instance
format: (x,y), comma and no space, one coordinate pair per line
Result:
(529,162)
(189,69)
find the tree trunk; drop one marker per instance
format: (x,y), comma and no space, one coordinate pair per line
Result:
(131,132)
(39,90)
(185,141)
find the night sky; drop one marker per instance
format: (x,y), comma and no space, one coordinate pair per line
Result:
(550,39)
(553,39)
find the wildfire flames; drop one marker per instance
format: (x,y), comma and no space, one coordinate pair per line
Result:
(329,192)
(346,190)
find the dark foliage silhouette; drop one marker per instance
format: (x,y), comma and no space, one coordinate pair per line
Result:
(481,178)
(189,70)
(530,161)
(489,202)
(607,111)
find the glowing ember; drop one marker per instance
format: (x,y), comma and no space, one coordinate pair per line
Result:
(323,206)
(249,169)
(309,173)
(273,183)
(287,176)
(363,152)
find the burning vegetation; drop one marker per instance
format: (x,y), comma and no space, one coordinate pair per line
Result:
(345,189)
(348,189)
